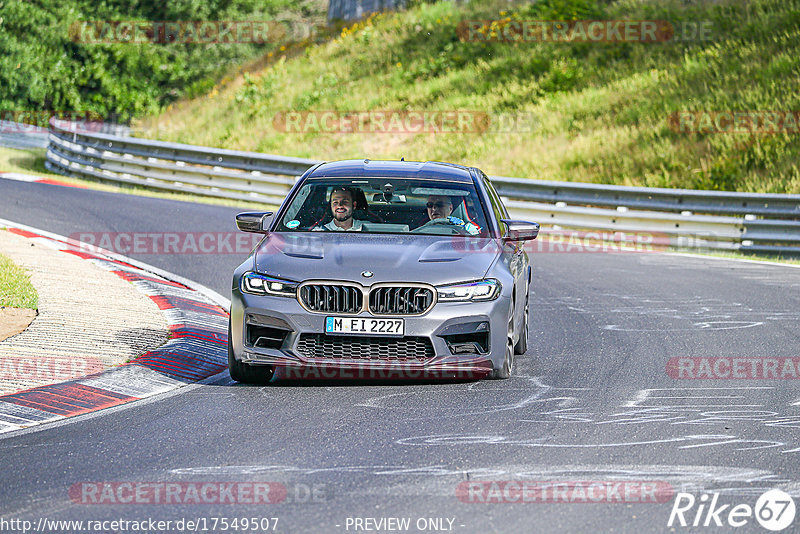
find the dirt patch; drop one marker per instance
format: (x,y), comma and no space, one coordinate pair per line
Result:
(14,320)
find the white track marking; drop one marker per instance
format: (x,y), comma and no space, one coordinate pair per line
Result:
(20,177)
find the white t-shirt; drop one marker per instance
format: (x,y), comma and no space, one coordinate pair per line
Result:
(355,228)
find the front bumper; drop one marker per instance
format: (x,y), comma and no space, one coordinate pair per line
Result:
(437,325)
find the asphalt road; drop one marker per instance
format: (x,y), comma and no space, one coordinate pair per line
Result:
(592,400)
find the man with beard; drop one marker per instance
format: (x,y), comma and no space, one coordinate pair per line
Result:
(342,206)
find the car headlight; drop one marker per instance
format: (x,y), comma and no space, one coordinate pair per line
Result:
(488,289)
(261,284)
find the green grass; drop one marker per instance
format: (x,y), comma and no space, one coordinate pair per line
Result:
(600,111)
(32,162)
(16,290)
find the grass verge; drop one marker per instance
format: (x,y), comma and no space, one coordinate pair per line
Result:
(594,112)
(16,290)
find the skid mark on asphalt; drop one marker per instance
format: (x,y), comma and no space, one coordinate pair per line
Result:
(695,313)
(704,406)
(690,406)
(703,325)
(374,401)
(692,441)
(704,393)
(536,392)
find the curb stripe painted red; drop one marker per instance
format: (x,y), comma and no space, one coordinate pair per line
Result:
(59,182)
(66,399)
(197,349)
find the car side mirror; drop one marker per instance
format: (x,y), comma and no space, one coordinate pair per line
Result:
(520,230)
(254,221)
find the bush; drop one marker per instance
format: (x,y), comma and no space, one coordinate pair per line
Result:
(43,68)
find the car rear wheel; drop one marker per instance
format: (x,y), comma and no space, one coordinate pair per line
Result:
(247,374)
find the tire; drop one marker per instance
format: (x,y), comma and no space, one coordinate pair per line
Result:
(508,362)
(522,344)
(247,374)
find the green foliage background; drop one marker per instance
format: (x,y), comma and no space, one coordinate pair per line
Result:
(41,68)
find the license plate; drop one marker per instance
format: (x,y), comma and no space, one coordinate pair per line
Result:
(359,325)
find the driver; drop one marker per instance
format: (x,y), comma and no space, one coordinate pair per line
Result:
(342,209)
(440,211)
(439,207)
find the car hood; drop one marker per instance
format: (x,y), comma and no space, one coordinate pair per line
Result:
(345,255)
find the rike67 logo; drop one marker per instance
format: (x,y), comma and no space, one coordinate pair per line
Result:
(774,510)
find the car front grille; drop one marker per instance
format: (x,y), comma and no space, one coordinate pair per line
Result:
(332,298)
(400,300)
(403,349)
(325,297)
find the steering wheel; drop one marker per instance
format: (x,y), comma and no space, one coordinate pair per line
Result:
(444,221)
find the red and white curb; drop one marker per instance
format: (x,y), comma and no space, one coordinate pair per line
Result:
(19,177)
(197,348)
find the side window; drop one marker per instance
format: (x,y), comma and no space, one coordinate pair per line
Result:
(497,205)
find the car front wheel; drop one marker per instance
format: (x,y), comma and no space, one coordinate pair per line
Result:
(508,362)
(522,344)
(244,373)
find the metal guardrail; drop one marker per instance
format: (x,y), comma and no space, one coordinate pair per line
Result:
(176,167)
(651,198)
(705,219)
(27,136)
(22,136)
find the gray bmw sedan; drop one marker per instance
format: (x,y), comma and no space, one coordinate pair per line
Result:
(382,269)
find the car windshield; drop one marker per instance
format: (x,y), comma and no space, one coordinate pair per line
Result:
(385,205)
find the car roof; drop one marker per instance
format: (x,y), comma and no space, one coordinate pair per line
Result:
(360,168)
